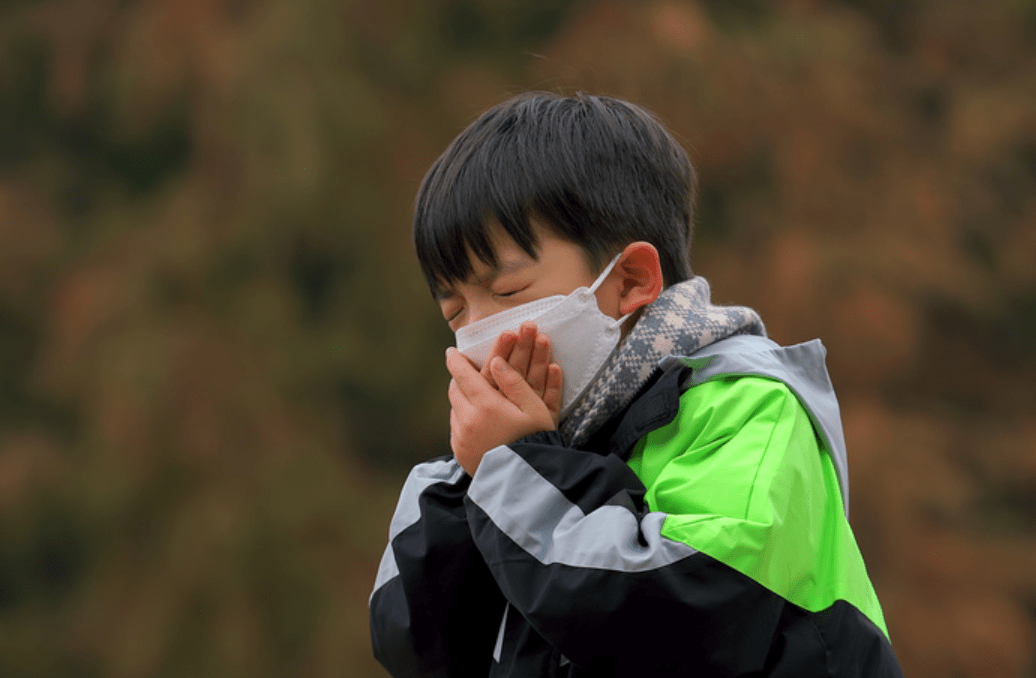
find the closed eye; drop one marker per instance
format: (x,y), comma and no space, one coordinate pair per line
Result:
(512,292)
(451,308)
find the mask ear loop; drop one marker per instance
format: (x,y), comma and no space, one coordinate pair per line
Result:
(605,272)
(600,280)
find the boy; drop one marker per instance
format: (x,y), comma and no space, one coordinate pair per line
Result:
(641,483)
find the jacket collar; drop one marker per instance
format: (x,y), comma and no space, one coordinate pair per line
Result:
(655,406)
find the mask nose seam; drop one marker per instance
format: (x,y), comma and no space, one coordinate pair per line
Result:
(505,318)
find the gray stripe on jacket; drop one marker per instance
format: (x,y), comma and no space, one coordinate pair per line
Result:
(530,510)
(408,511)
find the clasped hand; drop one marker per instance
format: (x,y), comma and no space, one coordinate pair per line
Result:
(516,393)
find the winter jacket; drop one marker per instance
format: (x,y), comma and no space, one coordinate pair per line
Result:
(702,532)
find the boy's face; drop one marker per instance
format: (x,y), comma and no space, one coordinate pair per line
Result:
(518,279)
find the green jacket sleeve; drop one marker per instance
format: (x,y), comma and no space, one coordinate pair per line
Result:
(742,477)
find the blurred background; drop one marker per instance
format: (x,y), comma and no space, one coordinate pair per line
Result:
(218,358)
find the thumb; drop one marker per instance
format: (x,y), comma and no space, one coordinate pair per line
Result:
(514,388)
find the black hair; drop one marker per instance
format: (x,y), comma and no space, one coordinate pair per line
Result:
(598,171)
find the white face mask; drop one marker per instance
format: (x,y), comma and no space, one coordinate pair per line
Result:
(581,336)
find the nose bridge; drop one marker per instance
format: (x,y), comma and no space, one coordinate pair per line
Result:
(481,304)
(478,309)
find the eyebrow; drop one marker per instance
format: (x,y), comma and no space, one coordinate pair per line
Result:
(506,266)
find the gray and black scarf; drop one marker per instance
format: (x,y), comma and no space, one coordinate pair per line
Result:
(681,321)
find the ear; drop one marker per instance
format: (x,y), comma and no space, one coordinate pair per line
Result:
(640,276)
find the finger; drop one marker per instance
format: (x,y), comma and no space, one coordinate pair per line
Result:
(455,437)
(471,362)
(502,347)
(466,378)
(553,390)
(514,387)
(458,401)
(523,349)
(538,364)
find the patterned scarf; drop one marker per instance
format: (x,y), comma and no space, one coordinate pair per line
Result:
(680,321)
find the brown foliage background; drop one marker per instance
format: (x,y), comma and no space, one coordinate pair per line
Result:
(217,358)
